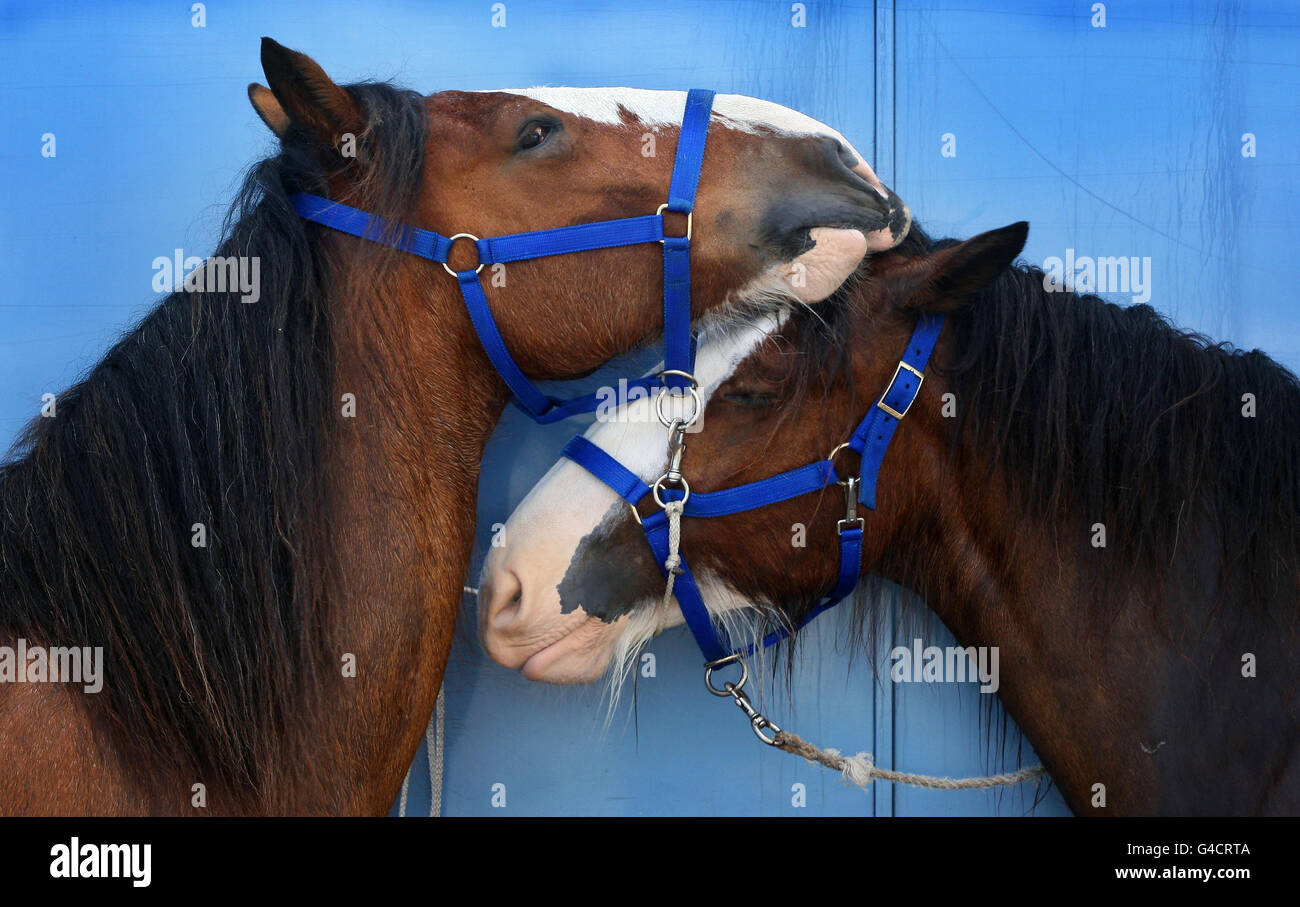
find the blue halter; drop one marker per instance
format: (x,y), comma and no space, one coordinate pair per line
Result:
(870,440)
(679,353)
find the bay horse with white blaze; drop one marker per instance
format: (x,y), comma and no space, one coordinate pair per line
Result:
(1112,502)
(262,514)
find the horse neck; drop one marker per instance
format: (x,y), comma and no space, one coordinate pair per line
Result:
(406,472)
(1129,680)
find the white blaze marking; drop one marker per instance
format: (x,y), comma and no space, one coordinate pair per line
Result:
(569,502)
(636,437)
(664,108)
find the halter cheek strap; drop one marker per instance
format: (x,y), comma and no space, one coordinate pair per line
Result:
(679,352)
(870,439)
(875,432)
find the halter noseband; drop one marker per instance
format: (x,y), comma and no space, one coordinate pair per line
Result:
(679,353)
(870,440)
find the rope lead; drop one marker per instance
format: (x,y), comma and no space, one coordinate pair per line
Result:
(861,770)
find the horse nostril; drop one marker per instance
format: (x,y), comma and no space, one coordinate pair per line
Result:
(845,156)
(505,600)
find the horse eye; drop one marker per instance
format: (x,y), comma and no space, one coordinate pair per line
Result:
(535,134)
(750,401)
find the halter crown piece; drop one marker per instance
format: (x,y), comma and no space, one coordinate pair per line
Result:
(679,353)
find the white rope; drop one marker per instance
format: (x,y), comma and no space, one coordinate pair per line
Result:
(406,789)
(861,770)
(433,743)
(434,751)
(433,747)
(672,564)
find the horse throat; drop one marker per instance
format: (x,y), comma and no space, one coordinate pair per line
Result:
(404,461)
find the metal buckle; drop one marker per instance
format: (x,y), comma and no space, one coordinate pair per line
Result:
(920,379)
(851,506)
(690,219)
(451,240)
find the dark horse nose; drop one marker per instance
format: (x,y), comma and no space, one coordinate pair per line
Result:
(839,162)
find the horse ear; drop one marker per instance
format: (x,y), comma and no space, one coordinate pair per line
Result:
(949,277)
(268,108)
(305,95)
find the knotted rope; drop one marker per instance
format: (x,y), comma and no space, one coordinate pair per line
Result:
(861,769)
(672,564)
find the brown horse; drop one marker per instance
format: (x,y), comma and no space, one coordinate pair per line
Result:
(260,515)
(1112,502)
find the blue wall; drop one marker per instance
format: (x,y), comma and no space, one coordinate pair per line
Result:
(1122,140)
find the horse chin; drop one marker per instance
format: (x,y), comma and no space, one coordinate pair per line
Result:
(815,274)
(580,657)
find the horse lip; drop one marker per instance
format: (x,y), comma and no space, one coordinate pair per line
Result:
(856,209)
(523,668)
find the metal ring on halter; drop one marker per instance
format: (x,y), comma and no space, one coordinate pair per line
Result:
(654,491)
(697,406)
(831,458)
(722,663)
(450,241)
(678,373)
(690,218)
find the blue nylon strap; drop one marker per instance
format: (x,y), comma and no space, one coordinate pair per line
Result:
(850,564)
(587,403)
(877,429)
(679,351)
(346,219)
(710,637)
(630,487)
(773,490)
(625,483)
(679,348)
(605,234)
(899,396)
(533,401)
(850,568)
(690,150)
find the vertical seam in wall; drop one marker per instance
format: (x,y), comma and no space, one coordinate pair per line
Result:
(885,139)
(893,164)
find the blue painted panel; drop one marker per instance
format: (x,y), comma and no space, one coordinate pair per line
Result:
(1121,140)
(1115,141)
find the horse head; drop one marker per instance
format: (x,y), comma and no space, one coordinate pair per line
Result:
(576,589)
(786,207)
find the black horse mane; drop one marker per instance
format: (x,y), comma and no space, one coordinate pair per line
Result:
(1104,414)
(1112,414)
(216,412)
